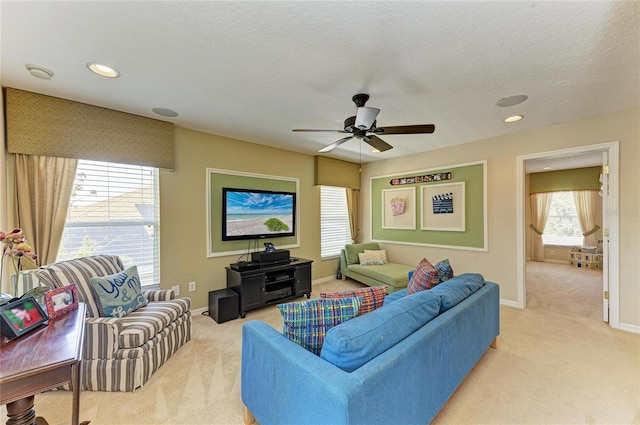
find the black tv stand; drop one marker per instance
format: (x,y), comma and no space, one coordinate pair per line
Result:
(271,284)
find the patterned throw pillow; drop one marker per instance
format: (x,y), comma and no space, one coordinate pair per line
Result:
(372,297)
(445,272)
(381,254)
(118,294)
(306,323)
(424,277)
(373,258)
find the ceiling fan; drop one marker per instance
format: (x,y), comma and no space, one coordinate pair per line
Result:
(363,126)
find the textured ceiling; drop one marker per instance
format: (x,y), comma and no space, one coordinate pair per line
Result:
(255,70)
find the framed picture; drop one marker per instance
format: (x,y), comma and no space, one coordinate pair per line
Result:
(399,208)
(60,301)
(21,316)
(443,207)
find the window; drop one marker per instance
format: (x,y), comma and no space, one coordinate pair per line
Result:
(114,210)
(563,227)
(334,221)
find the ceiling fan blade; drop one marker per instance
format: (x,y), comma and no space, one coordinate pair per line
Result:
(406,129)
(334,145)
(321,131)
(377,143)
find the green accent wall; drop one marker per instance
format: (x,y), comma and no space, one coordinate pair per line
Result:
(474,235)
(564,180)
(217,179)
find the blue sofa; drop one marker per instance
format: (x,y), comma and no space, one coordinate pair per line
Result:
(419,347)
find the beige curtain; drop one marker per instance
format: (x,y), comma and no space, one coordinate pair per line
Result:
(353,205)
(43,190)
(540,204)
(586,201)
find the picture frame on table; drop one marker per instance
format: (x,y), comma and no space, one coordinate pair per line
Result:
(60,301)
(20,317)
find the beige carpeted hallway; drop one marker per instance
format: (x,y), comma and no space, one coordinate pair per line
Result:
(550,367)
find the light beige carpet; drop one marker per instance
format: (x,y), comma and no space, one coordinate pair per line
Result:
(550,368)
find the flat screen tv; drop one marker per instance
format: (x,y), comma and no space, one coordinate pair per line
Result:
(257,214)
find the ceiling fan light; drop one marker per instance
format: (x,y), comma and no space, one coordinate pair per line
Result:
(513,118)
(366,117)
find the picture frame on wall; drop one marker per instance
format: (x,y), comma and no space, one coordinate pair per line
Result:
(443,207)
(20,317)
(399,208)
(60,301)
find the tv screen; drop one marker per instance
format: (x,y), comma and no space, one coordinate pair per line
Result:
(257,214)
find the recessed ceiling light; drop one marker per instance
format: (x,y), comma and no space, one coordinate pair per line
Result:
(546,168)
(103,70)
(39,71)
(512,100)
(165,112)
(513,118)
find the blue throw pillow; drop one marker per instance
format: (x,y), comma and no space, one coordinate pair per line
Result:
(118,294)
(445,272)
(455,290)
(354,343)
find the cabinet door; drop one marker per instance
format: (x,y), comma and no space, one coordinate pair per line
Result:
(303,280)
(252,291)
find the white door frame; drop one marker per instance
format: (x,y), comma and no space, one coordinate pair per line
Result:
(610,218)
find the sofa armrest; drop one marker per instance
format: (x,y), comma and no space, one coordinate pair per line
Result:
(283,383)
(160,295)
(101,337)
(343,262)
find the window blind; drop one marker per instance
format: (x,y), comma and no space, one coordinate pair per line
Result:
(114,210)
(334,221)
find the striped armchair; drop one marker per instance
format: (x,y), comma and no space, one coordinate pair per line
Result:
(120,354)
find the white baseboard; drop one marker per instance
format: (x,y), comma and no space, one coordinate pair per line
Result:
(630,328)
(199,311)
(323,279)
(548,260)
(509,303)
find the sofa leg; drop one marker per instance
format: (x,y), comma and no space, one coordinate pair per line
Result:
(344,277)
(248,417)
(494,343)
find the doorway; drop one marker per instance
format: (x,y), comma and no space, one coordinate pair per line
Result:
(610,278)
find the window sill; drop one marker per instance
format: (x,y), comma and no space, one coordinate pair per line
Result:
(330,257)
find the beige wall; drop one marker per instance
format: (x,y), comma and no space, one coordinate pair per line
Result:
(499,263)
(183,209)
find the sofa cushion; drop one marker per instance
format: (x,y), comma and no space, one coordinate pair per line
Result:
(372,297)
(395,296)
(390,274)
(79,271)
(424,277)
(457,289)
(306,323)
(354,343)
(352,250)
(373,258)
(118,294)
(445,271)
(141,325)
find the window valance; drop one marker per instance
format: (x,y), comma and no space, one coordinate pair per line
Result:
(565,180)
(334,172)
(50,126)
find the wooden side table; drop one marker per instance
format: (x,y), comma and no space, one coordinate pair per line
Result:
(39,361)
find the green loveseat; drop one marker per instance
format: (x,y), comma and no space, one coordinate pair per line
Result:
(394,275)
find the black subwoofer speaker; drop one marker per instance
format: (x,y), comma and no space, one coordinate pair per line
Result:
(224,305)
